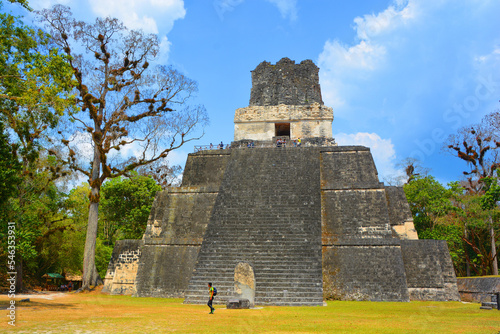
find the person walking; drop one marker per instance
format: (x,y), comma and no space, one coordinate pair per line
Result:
(211,298)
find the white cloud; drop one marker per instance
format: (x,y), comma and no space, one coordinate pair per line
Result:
(342,64)
(370,26)
(224,6)
(164,50)
(142,14)
(287,8)
(364,55)
(382,150)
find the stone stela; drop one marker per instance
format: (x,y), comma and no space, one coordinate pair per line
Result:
(282,225)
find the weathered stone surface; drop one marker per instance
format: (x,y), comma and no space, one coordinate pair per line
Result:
(180,216)
(205,169)
(164,270)
(244,282)
(176,226)
(399,213)
(374,273)
(348,167)
(234,304)
(259,122)
(122,268)
(478,289)
(429,270)
(285,83)
(354,214)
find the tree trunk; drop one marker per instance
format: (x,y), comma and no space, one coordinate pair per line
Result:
(467,263)
(19,275)
(90,274)
(494,260)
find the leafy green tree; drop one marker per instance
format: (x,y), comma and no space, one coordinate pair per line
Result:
(489,201)
(473,221)
(429,200)
(125,205)
(123,102)
(37,214)
(432,207)
(478,145)
(34,83)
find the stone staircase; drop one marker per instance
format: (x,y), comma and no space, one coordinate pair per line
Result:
(267,214)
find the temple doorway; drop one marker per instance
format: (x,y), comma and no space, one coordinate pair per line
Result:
(282,129)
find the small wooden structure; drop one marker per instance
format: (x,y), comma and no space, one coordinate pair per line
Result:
(53,281)
(76,281)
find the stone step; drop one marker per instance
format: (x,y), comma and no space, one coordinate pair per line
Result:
(251,248)
(259,266)
(224,271)
(261,286)
(288,294)
(228,260)
(291,302)
(493,305)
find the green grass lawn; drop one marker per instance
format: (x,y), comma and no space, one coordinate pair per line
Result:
(98,313)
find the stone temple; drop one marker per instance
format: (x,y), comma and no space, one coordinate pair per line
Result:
(287,225)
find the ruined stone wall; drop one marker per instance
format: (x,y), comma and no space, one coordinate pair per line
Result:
(258,122)
(478,289)
(400,215)
(429,270)
(361,259)
(122,267)
(285,83)
(205,168)
(177,223)
(284,93)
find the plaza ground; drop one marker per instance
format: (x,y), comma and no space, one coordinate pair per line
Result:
(89,313)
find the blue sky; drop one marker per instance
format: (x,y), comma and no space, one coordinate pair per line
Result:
(400,75)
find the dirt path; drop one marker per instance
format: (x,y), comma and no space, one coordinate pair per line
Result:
(43,295)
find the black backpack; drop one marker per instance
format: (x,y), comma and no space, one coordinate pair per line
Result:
(215,292)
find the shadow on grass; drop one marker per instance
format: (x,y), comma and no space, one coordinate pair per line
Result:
(4,304)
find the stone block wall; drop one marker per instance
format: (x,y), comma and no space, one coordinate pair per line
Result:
(361,259)
(122,267)
(165,270)
(205,168)
(478,289)
(429,270)
(400,215)
(371,271)
(177,223)
(258,122)
(399,209)
(180,216)
(285,83)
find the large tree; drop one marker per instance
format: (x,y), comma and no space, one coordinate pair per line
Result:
(125,104)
